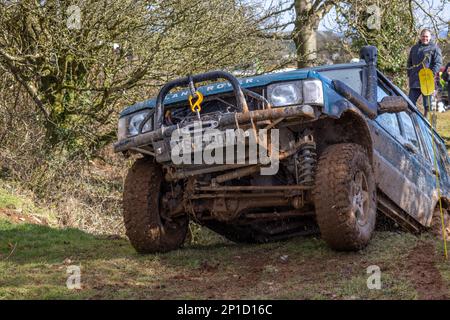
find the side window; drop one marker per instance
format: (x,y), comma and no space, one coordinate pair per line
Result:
(381,93)
(442,158)
(443,161)
(445,157)
(409,132)
(426,134)
(390,123)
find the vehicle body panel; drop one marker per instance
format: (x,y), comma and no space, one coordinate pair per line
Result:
(404,175)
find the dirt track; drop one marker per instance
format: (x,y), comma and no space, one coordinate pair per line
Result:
(301,268)
(426,278)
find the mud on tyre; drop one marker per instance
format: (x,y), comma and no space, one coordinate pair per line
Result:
(345,196)
(144,220)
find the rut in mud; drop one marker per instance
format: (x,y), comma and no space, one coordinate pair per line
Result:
(422,272)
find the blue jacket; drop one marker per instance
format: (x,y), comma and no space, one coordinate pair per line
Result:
(430,54)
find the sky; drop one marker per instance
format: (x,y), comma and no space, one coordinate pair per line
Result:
(328,23)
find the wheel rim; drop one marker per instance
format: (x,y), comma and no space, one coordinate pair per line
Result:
(360,198)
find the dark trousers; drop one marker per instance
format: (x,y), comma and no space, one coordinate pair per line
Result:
(414,94)
(448,93)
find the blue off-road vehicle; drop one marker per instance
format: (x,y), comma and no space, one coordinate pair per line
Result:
(336,145)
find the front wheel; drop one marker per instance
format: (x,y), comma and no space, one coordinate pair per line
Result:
(345,197)
(145,224)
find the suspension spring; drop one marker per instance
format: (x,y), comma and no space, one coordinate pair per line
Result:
(306,163)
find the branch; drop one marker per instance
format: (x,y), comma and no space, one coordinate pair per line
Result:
(32,91)
(433,20)
(274,36)
(276,13)
(411,12)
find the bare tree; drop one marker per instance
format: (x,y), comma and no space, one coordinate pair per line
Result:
(309,13)
(304,16)
(81,61)
(396,30)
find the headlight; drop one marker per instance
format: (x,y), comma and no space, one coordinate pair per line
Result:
(135,122)
(295,92)
(312,91)
(129,126)
(284,94)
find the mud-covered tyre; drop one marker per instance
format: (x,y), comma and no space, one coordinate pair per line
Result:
(436,223)
(345,197)
(145,226)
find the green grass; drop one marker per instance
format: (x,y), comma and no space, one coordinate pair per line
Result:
(34,260)
(7,200)
(111,269)
(12,199)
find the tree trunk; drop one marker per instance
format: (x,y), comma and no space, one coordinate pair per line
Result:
(309,13)
(306,25)
(305,42)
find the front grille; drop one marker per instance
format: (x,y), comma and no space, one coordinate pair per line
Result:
(212,106)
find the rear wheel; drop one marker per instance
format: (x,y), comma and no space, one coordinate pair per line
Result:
(146,227)
(436,223)
(345,197)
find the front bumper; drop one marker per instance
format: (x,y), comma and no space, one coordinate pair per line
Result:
(229,120)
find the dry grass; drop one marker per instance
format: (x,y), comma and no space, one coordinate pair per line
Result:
(443,127)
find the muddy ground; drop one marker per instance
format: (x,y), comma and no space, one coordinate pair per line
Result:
(34,260)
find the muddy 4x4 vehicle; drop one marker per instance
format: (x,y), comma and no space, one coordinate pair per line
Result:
(348,142)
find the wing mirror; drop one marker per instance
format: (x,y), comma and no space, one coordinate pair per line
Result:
(392,104)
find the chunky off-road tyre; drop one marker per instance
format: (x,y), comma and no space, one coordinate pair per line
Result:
(345,197)
(145,225)
(436,223)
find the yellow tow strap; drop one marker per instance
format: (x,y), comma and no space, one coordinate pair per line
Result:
(427,88)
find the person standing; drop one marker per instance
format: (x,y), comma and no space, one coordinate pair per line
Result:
(424,53)
(446,78)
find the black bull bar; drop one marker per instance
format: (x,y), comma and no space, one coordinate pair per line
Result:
(190,80)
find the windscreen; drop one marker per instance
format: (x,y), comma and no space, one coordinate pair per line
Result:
(351,77)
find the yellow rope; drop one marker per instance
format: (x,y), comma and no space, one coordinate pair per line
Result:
(438,187)
(427,55)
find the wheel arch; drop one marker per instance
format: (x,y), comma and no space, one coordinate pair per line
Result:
(350,127)
(445,205)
